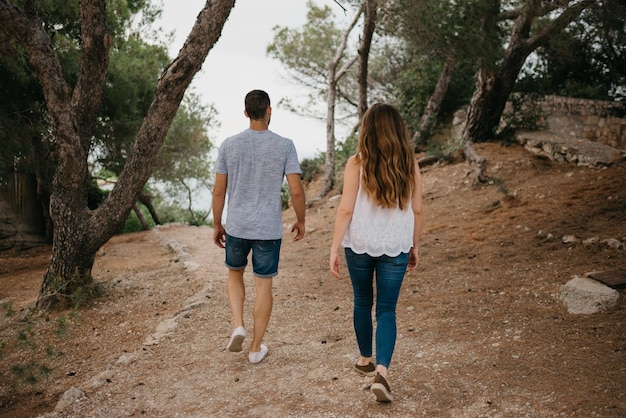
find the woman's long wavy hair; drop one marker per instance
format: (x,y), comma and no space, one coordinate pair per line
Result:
(386,157)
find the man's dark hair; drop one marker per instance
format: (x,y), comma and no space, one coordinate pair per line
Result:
(257,102)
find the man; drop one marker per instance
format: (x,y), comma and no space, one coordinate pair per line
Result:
(250,169)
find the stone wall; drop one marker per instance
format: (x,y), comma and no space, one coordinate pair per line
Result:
(593,120)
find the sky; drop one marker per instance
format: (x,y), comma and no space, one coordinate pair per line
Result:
(239,63)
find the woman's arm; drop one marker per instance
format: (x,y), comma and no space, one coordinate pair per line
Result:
(344,212)
(418,217)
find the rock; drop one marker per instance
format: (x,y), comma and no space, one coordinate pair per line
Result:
(569,239)
(586,296)
(564,149)
(126,359)
(99,380)
(70,396)
(163,329)
(591,241)
(613,243)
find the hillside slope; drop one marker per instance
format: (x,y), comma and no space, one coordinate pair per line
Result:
(481,330)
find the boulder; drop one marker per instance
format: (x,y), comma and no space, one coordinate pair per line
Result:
(582,295)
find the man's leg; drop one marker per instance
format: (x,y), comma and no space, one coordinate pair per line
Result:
(262,310)
(236,295)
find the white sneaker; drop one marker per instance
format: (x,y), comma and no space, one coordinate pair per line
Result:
(258,356)
(236,340)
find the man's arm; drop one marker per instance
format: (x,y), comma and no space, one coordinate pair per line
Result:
(298,202)
(219,199)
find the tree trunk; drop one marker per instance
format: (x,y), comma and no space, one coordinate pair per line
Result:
(78,231)
(146,200)
(329,165)
(490,97)
(141,217)
(68,277)
(369,26)
(334,76)
(433,107)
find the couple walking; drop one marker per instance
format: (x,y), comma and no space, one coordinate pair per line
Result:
(378,223)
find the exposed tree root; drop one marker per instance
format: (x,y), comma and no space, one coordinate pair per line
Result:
(472,157)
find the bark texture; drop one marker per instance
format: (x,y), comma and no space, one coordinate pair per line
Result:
(369,26)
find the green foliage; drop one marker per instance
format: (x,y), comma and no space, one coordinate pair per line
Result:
(311,167)
(23,352)
(525,113)
(176,214)
(8,309)
(51,351)
(429,32)
(70,292)
(305,53)
(23,123)
(168,213)
(95,195)
(585,60)
(442,150)
(182,172)
(416,85)
(565,68)
(345,149)
(134,66)
(21,112)
(133,224)
(137,58)
(61,325)
(31,373)
(184,168)
(24,335)
(284,195)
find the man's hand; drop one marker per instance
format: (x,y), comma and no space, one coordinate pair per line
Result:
(299,228)
(219,236)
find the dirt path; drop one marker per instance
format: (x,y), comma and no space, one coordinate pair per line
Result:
(183,369)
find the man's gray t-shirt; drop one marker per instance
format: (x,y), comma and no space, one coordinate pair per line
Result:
(256,163)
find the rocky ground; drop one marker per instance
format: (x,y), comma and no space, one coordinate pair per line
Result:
(481,329)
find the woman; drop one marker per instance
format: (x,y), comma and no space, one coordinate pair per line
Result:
(378,222)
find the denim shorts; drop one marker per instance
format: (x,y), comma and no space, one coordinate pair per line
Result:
(265,255)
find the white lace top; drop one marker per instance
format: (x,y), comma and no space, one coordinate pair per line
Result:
(376,230)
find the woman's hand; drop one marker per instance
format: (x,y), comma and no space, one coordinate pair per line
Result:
(414,259)
(334,264)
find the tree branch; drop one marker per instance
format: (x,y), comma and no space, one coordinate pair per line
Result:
(25,26)
(342,46)
(93,66)
(345,11)
(557,25)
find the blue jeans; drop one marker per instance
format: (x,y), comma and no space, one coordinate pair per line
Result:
(389,275)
